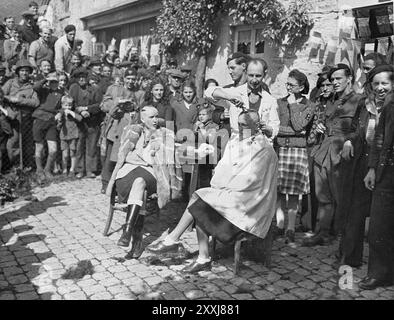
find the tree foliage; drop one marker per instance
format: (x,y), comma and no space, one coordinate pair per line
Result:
(189,24)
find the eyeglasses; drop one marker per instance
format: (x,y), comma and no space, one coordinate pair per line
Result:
(291,85)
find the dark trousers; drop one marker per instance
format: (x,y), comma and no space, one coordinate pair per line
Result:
(87,150)
(354,208)
(25,128)
(108,165)
(381,229)
(327,183)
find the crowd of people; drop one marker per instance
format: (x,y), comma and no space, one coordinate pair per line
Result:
(259,156)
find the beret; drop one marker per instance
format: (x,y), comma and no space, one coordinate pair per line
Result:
(237,55)
(69,28)
(379,69)
(340,66)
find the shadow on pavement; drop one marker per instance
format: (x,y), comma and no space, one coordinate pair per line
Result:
(20,264)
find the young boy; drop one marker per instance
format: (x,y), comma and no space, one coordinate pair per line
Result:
(44,126)
(67,121)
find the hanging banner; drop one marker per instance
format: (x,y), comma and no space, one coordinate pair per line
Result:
(332,48)
(154,55)
(315,42)
(369,48)
(383,46)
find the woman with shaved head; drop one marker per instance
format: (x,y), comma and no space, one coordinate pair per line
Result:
(145,161)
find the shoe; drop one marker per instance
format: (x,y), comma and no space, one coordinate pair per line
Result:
(371,283)
(40,176)
(161,248)
(90,175)
(197,267)
(104,188)
(136,245)
(125,238)
(71,175)
(49,175)
(290,236)
(316,240)
(278,232)
(79,175)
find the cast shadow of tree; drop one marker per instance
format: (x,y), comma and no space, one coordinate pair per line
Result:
(20,264)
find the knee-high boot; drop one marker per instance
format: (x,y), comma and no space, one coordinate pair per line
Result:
(131,217)
(136,245)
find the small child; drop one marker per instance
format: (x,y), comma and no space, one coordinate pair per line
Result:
(206,132)
(67,124)
(204,124)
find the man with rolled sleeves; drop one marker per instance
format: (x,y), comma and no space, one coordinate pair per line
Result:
(326,156)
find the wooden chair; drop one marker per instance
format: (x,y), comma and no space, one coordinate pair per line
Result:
(266,249)
(115,206)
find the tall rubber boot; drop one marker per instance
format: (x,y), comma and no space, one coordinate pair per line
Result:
(136,246)
(131,218)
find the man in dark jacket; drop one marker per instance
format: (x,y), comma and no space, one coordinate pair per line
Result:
(87,103)
(335,126)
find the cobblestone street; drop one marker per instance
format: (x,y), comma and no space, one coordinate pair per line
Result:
(40,240)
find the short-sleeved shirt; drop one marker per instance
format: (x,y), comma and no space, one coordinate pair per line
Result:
(39,50)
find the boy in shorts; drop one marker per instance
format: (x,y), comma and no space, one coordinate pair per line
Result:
(67,124)
(44,125)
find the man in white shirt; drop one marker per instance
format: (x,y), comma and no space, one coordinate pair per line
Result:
(250,95)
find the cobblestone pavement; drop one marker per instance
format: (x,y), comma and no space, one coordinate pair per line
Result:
(40,240)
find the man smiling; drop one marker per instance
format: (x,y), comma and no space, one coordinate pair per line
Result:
(326,156)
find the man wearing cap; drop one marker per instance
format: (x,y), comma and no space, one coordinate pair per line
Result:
(250,95)
(63,50)
(21,97)
(109,58)
(87,103)
(95,69)
(29,29)
(119,104)
(187,71)
(172,63)
(326,155)
(41,49)
(175,79)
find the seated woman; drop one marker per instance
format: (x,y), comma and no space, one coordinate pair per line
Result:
(144,163)
(242,196)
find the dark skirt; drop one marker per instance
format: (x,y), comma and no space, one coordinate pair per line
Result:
(123,185)
(213,223)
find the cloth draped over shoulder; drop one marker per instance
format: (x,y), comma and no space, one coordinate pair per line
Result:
(244,187)
(166,165)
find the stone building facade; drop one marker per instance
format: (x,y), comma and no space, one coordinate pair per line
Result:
(101,21)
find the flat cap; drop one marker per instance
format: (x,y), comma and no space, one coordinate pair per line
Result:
(79,72)
(28,14)
(237,55)
(130,72)
(175,73)
(186,68)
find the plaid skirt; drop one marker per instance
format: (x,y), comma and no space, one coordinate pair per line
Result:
(293,171)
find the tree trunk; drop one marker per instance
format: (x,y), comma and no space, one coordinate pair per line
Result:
(200,75)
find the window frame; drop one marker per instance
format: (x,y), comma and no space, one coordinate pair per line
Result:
(248,27)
